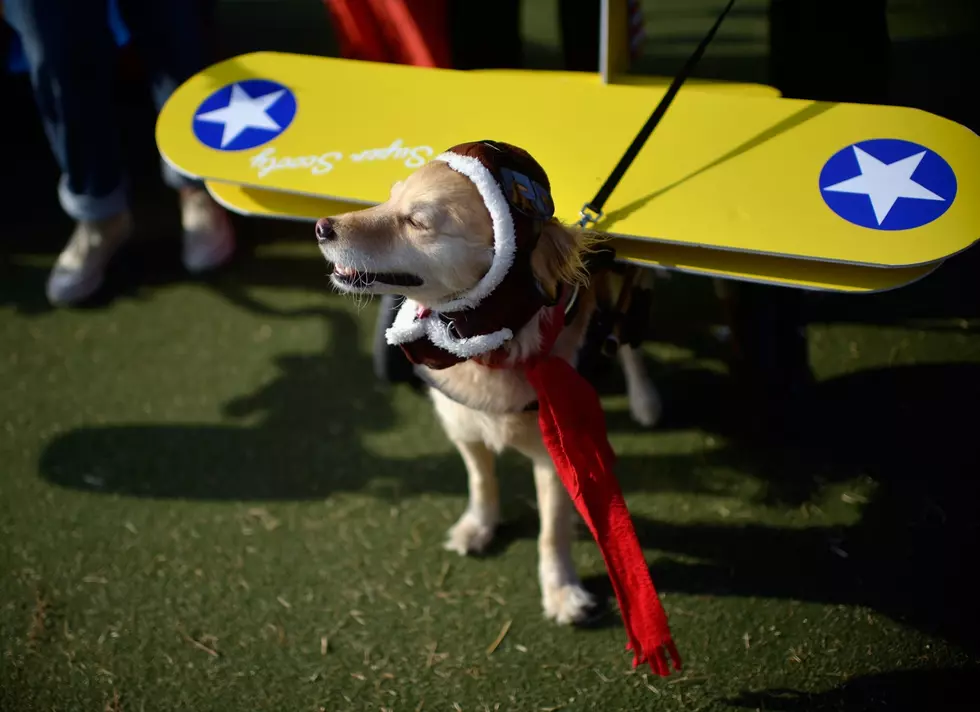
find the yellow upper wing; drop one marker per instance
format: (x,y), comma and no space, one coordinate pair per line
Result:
(722,170)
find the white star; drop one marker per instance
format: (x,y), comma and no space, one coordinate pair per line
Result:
(243,112)
(885,183)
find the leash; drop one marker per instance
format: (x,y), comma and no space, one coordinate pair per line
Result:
(595,205)
(591,212)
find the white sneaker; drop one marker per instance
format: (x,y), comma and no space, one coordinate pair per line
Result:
(209,238)
(80,268)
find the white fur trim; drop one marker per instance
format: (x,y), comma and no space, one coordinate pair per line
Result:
(406,327)
(504,239)
(438,332)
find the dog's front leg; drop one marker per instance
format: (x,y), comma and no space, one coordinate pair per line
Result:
(562,595)
(476,527)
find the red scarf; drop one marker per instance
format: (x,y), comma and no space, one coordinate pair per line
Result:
(573,426)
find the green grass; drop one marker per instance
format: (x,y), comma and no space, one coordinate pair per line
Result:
(207,502)
(198,467)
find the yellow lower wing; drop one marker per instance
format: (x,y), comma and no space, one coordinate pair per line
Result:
(804,274)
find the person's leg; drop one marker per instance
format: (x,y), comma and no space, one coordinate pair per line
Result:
(172,37)
(71,53)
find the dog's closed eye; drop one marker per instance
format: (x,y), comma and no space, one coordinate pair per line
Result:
(420,216)
(414,220)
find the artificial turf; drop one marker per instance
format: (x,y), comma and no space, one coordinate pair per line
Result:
(207,502)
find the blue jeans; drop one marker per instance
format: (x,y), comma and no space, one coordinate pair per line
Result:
(72,54)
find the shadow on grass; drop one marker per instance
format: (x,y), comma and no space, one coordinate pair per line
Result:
(911,432)
(940,689)
(907,429)
(307,445)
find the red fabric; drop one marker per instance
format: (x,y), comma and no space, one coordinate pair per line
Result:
(417,30)
(411,32)
(574,429)
(357,31)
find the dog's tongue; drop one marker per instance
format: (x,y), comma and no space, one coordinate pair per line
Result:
(574,430)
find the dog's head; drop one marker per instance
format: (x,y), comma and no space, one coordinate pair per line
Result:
(432,240)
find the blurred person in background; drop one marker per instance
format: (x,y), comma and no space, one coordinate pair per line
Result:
(71,55)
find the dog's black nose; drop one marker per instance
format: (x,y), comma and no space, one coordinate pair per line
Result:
(324,230)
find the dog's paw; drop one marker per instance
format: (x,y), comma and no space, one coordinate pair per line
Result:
(568,603)
(470,534)
(645,405)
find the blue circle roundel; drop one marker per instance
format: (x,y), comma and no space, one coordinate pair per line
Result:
(244,115)
(888,184)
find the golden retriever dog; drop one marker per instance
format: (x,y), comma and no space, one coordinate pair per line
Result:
(434,238)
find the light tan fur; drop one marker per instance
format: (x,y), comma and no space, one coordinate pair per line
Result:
(435,226)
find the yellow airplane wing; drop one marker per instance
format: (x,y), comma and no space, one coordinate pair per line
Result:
(872,185)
